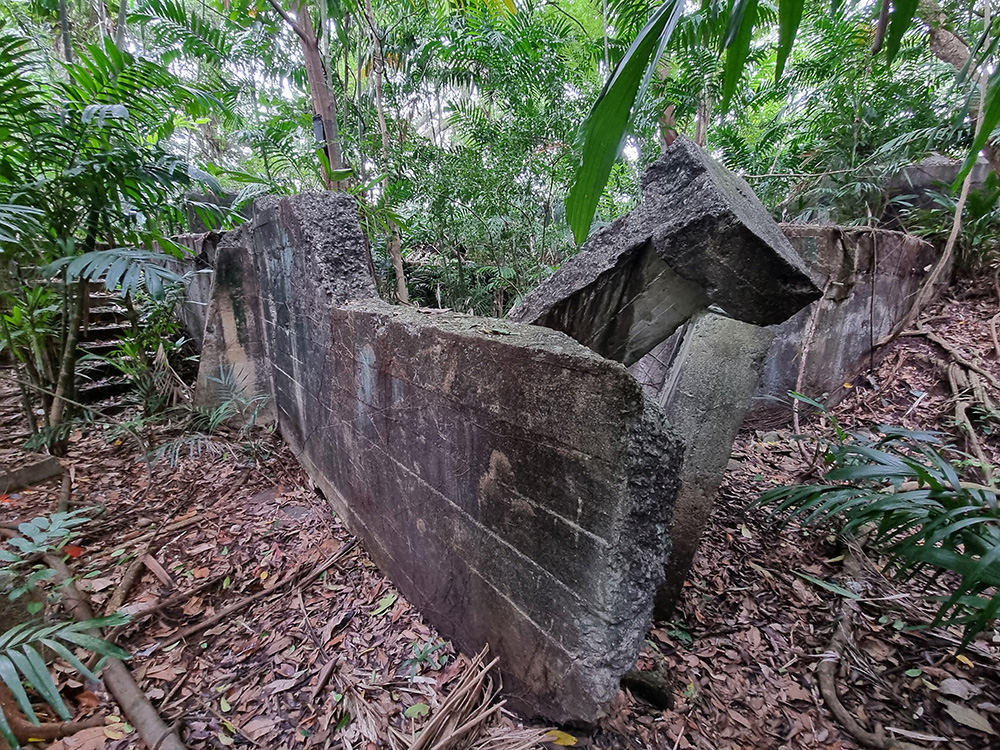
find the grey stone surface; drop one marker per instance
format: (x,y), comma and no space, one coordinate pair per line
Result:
(233,360)
(196,270)
(699,237)
(707,375)
(515,485)
(873,276)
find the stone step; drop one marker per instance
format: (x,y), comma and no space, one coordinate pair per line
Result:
(102,390)
(101,348)
(104,332)
(104,314)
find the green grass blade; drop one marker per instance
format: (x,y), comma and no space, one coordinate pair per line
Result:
(832,587)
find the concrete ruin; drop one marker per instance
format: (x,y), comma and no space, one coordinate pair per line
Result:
(700,237)
(514,480)
(870,277)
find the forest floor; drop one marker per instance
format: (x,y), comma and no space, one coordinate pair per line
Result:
(338,661)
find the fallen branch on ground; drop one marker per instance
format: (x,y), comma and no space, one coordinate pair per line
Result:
(247,601)
(25,731)
(119,681)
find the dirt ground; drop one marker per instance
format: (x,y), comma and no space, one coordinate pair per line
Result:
(337,661)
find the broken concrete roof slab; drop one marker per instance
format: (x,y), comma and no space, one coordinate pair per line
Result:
(700,237)
(514,484)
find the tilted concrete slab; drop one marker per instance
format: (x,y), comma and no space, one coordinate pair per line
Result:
(703,377)
(700,237)
(515,485)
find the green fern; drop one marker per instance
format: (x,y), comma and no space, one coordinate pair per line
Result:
(912,501)
(21,664)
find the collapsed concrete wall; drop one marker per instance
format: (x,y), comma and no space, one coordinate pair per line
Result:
(516,484)
(703,377)
(870,277)
(700,237)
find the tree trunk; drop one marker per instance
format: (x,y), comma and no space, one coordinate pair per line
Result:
(64,24)
(949,47)
(667,119)
(378,69)
(67,368)
(323,101)
(702,118)
(120,23)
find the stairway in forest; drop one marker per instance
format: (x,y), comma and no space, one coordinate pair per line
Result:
(99,383)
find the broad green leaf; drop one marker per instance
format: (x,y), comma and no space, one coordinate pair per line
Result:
(69,657)
(7,732)
(10,677)
(789,18)
(738,51)
(899,21)
(603,132)
(97,645)
(33,667)
(417,710)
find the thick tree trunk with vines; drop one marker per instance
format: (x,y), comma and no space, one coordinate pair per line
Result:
(378,70)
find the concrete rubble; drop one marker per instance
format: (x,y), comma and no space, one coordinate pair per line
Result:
(512,477)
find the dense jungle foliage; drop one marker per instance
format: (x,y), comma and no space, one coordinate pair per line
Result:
(472,133)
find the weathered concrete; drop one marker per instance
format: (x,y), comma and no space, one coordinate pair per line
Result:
(514,484)
(196,269)
(871,277)
(233,359)
(704,377)
(699,237)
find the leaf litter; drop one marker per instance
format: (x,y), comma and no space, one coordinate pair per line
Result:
(347,662)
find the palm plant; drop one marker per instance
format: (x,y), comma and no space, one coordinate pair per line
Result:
(22,665)
(604,130)
(86,159)
(910,501)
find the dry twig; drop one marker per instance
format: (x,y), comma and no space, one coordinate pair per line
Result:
(247,601)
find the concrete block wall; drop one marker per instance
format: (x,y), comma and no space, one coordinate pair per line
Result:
(514,484)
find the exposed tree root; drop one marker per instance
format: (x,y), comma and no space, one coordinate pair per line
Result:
(966,381)
(826,673)
(25,731)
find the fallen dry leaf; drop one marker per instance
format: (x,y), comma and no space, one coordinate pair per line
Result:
(967,716)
